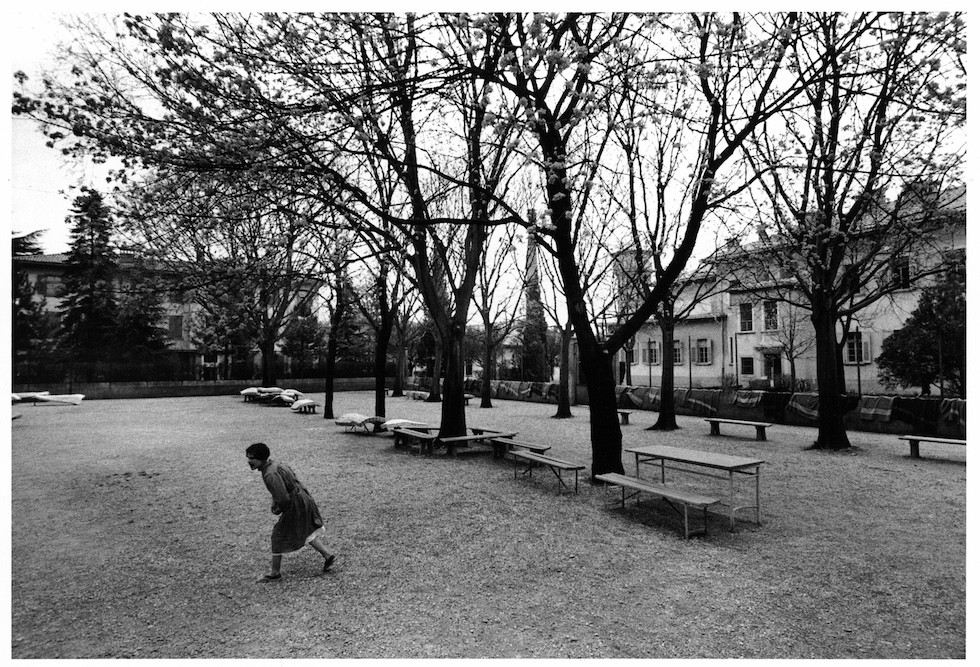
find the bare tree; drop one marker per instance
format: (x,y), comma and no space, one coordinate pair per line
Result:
(859,176)
(564,70)
(496,295)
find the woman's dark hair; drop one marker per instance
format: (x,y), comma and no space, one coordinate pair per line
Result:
(258,451)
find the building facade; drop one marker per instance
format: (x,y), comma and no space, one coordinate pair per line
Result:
(743,337)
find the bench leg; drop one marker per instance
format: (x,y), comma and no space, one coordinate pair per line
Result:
(914,449)
(760,432)
(715,430)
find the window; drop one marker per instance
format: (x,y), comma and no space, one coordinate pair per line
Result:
(652,353)
(747,366)
(858,349)
(678,353)
(175,327)
(773,365)
(770,315)
(703,351)
(745,317)
(901,278)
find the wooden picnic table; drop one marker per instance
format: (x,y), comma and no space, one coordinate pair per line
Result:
(691,459)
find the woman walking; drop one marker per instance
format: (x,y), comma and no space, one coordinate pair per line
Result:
(299,522)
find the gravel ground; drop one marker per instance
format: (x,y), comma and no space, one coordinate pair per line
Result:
(137,531)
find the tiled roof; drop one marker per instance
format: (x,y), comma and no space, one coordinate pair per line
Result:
(59,258)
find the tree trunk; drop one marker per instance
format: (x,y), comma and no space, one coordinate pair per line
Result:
(398,385)
(268,350)
(453,408)
(607,437)
(564,374)
(434,387)
(330,366)
(383,335)
(667,418)
(487,375)
(831,433)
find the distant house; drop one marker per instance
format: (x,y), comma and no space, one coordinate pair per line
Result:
(45,275)
(746,336)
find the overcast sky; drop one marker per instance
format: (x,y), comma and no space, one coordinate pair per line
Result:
(36,174)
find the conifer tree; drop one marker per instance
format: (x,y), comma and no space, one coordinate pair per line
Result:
(89,308)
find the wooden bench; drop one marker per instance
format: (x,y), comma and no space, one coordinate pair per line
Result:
(424,439)
(914,441)
(624,416)
(685,498)
(467,397)
(556,465)
(502,446)
(478,435)
(760,427)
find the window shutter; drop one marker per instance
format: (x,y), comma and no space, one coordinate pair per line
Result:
(711,351)
(865,349)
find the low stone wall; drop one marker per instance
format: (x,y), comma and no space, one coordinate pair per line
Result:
(944,417)
(110,390)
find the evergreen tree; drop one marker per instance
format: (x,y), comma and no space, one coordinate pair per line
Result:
(304,341)
(140,338)
(931,347)
(89,309)
(31,327)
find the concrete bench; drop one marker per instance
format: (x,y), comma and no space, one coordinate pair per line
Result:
(555,465)
(467,397)
(671,495)
(760,427)
(503,446)
(914,441)
(624,416)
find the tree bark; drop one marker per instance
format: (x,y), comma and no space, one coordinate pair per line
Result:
(398,385)
(667,417)
(383,335)
(607,437)
(831,433)
(268,350)
(453,407)
(564,373)
(485,401)
(435,395)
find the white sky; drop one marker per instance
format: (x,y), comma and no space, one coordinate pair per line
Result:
(37,176)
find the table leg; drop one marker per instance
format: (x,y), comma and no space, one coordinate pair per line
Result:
(758,504)
(731,496)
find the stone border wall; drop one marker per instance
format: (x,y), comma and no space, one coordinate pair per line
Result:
(108,390)
(944,417)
